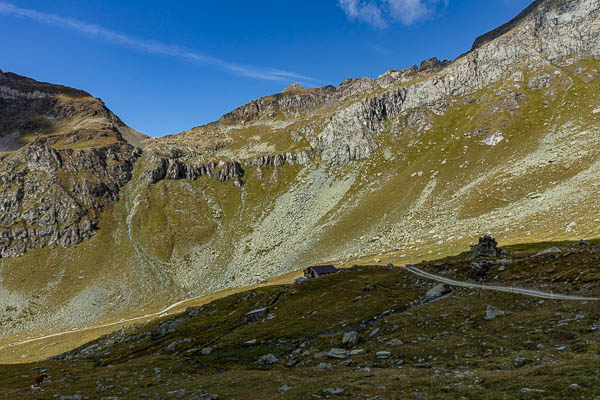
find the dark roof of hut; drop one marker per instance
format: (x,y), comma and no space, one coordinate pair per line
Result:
(324,269)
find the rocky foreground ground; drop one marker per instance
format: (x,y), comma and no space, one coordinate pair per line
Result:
(368,332)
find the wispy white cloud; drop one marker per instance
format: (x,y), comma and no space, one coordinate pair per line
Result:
(362,11)
(151,46)
(382,13)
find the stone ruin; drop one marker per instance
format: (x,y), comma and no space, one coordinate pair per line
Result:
(487,247)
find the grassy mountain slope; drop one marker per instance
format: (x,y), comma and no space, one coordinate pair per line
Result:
(438,347)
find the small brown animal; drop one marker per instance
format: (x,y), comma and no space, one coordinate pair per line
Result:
(40,378)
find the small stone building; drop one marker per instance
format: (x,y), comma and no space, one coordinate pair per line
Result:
(487,247)
(319,270)
(256,315)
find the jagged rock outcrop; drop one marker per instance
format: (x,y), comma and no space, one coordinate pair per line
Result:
(175,169)
(296,101)
(290,103)
(298,158)
(350,134)
(505,28)
(395,77)
(70,157)
(179,167)
(354,87)
(432,65)
(53,197)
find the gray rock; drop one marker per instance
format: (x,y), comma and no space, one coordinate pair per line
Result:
(350,339)
(41,210)
(395,342)
(178,393)
(324,367)
(268,359)
(206,351)
(519,362)
(530,390)
(492,312)
(285,388)
(171,347)
(548,251)
(437,291)
(206,396)
(383,354)
(540,82)
(334,391)
(337,353)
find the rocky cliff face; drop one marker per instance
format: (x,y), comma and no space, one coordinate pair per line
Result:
(159,168)
(53,197)
(412,164)
(68,162)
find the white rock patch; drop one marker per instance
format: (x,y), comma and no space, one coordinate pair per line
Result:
(494,138)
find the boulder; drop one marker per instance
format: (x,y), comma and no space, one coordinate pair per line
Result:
(324,367)
(519,362)
(337,353)
(383,354)
(268,359)
(334,391)
(350,339)
(395,342)
(206,351)
(491,313)
(437,291)
(548,251)
(284,388)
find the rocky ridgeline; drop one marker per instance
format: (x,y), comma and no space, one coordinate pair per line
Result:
(51,197)
(549,32)
(29,106)
(352,132)
(291,103)
(294,101)
(13,86)
(393,77)
(176,167)
(39,109)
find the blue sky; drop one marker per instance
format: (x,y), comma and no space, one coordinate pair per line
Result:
(165,67)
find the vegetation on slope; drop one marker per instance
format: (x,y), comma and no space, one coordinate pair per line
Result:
(444,347)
